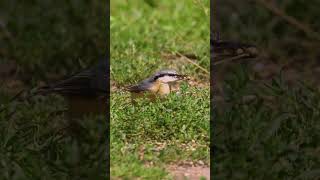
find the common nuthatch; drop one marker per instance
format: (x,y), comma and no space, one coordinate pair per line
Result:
(86,91)
(225,49)
(220,49)
(158,85)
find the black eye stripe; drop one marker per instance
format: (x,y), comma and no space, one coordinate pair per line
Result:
(166,74)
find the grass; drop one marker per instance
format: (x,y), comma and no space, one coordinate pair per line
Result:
(140,34)
(147,137)
(162,132)
(47,40)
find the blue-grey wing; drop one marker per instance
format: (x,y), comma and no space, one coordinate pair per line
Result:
(141,87)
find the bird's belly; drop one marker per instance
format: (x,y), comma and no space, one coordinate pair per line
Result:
(164,89)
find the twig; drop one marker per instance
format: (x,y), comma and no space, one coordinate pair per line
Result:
(231,59)
(291,20)
(18,95)
(190,61)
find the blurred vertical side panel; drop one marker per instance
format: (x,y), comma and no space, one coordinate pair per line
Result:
(212,105)
(50,53)
(266,89)
(108,89)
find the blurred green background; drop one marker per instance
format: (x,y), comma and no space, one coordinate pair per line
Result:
(144,34)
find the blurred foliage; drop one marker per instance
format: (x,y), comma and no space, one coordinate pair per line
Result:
(52,37)
(266,131)
(39,141)
(248,20)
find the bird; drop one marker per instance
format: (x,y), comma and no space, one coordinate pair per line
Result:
(86,91)
(159,85)
(225,49)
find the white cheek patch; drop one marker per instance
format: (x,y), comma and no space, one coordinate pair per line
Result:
(167,79)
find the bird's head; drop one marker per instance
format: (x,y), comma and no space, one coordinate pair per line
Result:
(168,76)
